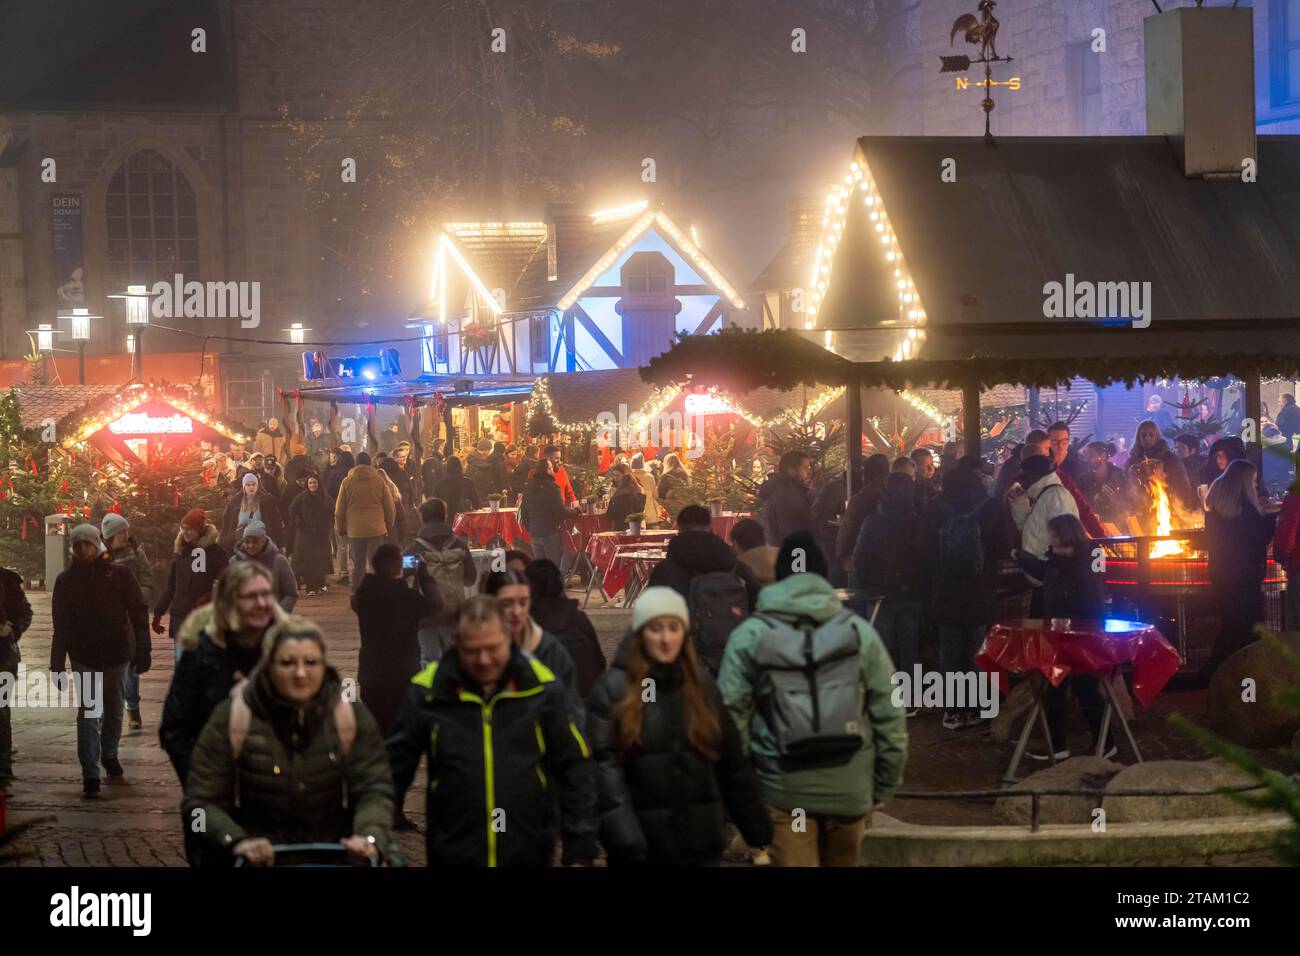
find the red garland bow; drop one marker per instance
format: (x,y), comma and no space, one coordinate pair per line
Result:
(63,488)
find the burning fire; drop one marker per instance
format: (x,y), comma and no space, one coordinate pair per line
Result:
(1164,521)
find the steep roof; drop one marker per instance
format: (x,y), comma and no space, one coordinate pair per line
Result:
(789,268)
(36,403)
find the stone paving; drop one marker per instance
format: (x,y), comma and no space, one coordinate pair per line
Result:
(137,822)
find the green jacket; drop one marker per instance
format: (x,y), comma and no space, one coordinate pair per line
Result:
(847,788)
(292,783)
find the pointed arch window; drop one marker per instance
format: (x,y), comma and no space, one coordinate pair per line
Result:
(153,223)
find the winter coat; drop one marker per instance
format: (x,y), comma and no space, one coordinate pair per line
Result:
(627,499)
(438,536)
(827,507)
(887,558)
(1287,536)
(337,472)
(270,442)
(132,557)
(662,802)
(365,507)
(1105,495)
(484,473)
(16,611)
(231,532)
(503,753)
(543,510)
(1091,523)
(286,585)
(762,562)
(186,588)
(517,480)
(552,652)
(671,486)
(1046,498)
(862,505)
(562,618)
(1288,420)
(100,618)
(970,599)
(203,677)
(692,553)
(562,481)
(313,521)
(388,615)
(292,782)
(1071,589)
(785,507)
(407,482)
(1237,549)
(847,786)
(459,493)
(397,531)
(432,470)
(650,488)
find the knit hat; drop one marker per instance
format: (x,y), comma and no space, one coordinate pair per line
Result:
(1033,469)
(86,532)
(659,602)
(255,529)
(484,445)
(195,518)
(112,524)
(250,479)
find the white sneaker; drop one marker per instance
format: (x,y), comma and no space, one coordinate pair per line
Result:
(1059,755)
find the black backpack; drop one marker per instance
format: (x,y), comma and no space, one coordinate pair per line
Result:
(961,546)
(718,601)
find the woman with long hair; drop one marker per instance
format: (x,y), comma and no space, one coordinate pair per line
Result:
(1237,533)
(312,517)
(669,761)
(1149,446)
(542,512)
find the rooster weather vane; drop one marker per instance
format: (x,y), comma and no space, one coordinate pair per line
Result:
(981,31)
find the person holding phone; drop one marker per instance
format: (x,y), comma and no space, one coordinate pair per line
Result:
(389,612)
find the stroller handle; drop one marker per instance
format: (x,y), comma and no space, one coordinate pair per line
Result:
(301,854)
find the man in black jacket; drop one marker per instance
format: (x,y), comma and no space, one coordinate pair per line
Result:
(102,622)
(498,736)
(697,550)
(15,617)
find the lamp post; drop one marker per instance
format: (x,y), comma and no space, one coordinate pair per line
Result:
(80,332)
(137,319)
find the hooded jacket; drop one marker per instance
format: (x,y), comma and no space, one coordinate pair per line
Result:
(964,600)
(851,785)
(365,507)
(506,753)
(271,442)
(887,556)
(438,536)
(202,680)
(389,614)
(1047,498)
(100,618)
(692,553)
(286,585)
(663,802)
(785,506)
(186,588)
(543,509)
(292,782)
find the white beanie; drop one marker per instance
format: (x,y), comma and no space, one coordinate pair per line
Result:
(659,602)
(112,524)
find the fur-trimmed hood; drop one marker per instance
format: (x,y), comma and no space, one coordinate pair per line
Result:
(201,622)
(206,540)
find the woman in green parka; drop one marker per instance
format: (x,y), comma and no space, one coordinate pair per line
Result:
(288,760)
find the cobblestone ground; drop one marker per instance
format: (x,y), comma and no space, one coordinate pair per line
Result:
(137,822)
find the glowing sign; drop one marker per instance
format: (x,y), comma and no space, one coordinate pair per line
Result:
(142,423)
(707,405)
(964,84)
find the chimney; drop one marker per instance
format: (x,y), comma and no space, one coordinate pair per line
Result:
(1200,86)
(566,231)
(804,214)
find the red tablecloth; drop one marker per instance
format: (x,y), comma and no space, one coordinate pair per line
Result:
(480,527)
(1059,647)
(723,524)
(627,560)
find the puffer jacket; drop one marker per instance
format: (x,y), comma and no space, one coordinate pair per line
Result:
(292,782)
(847,786)
(502,753)
(365,507)
(663,802)
(202,679)
(187,588)
(1047,498)
(286,585)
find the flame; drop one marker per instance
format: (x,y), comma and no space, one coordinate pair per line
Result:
(1164,521)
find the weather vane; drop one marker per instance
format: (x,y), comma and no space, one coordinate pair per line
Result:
(983,32)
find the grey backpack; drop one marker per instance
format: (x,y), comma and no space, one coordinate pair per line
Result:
(810,690)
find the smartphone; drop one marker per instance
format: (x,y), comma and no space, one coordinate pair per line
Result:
(410,562)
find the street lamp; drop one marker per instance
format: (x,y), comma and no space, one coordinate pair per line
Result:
(80,325)
(137,318)
(130,344)
(296,331)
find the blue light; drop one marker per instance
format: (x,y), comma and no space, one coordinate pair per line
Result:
(1123,627)
(368,375)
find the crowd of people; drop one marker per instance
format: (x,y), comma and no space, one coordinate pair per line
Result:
(533,745)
